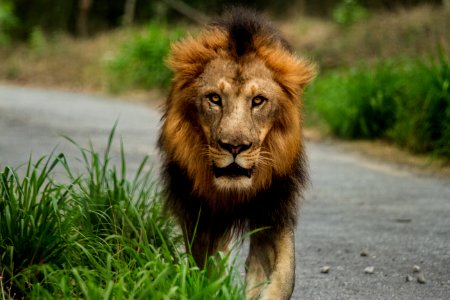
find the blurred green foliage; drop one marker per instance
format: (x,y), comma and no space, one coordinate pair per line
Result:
(7,22)
(140,63)
(62,16)
(349,12)
(406,101)
(37,41)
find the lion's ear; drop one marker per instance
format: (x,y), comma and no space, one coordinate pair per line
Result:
(306,71)
(295,74)
(291,72)
(189,56)
(185,58)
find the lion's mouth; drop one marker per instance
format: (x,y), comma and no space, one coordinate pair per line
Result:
(233,170)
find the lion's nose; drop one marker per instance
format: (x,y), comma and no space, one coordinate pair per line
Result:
(234,149)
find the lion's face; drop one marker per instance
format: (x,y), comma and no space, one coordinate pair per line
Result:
(232,121)
(237,108)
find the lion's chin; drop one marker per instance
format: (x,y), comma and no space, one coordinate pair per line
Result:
(233,177)
(236,183)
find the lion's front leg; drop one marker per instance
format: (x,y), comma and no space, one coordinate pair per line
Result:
(202,243)
(270,265)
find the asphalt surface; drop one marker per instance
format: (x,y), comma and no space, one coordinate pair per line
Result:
(358,212)
(33,123)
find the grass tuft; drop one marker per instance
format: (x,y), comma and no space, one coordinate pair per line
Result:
(33,227)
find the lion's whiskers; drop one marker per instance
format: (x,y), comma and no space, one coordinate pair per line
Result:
(260,157)
(205,151)
(265,159)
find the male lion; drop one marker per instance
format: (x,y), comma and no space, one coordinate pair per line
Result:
(232,149)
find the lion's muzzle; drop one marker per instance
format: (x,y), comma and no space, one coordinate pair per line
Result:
(234,162)
(234,149)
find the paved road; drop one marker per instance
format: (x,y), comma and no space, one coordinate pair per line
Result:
(355,205)
(33,122)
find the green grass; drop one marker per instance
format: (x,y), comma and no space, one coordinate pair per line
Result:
(355,103)
(96,236)
(406,101)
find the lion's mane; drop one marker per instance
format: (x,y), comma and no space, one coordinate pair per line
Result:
(273,199)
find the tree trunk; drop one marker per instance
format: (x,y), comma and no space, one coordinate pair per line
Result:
(83,17)
(128,17)
(188,11)
(301,7)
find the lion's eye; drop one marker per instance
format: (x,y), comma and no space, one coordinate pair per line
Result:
(214,98)
(258,100)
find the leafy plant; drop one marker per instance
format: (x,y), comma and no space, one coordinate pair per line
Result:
(141,61)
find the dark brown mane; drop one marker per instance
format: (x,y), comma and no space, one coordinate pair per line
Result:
(243,26)
(260,211)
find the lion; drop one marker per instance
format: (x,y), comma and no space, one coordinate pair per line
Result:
(231,144)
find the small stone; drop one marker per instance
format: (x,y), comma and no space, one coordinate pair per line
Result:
(409,278)
(325,269)
(403,220)
(421,279)
(369,270)
(364,254)
(416,269)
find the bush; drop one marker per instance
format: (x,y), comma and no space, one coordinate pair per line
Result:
(7,22)
(140,63)
(423,113)
(359,103)
(408,102)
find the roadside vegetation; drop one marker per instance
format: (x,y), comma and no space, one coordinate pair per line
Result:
(96,236)
(405,101)
(393,86)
